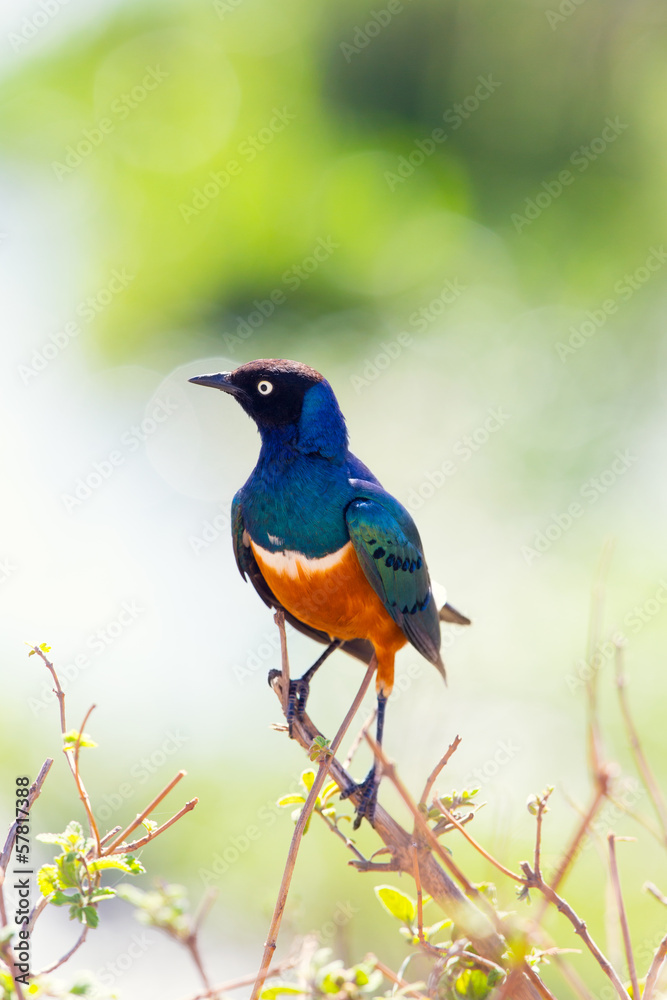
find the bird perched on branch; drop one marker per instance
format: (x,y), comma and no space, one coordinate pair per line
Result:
(320,539)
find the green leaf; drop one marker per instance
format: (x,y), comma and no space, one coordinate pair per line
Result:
(72,839)
(473,984)
(90,916)
(290,800)
(44,648)
(52,838)
(70,739)
(47,879)
(275,991)
(62,899)
(332,983)
(69,868)
(103,892)
(120,862)
(397,903)
(330,789)
(436,928)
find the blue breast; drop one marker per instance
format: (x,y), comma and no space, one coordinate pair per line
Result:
(297,502)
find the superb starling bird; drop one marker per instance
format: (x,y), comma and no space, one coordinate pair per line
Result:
(321,540)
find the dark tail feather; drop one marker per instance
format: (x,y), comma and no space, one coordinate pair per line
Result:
(451,615)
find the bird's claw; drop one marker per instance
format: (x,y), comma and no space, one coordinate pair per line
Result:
(296,701)
(368,801)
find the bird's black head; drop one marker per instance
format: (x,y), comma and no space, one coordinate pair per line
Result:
(289,402)
(271,391)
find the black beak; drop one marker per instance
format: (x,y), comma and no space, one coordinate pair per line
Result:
(219,381)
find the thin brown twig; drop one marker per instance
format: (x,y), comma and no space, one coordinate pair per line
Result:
(152,834)
(58,691)
(65,958)
(478,847)
(551,896)
(654,969)
(474,921)
(83,794)
(142,815)
(359,738)
(110,834)
(390,771)
(655,892)
(316,787)
(616,885)
(346,840)
(582,829)
(33,793)
(279,619)
(409,990)
(541,809)
(618,804)
(426,945)
(72,753)
(535,979)
(192,946)
(433,776)
(642,764)
(572,977)
(236,984)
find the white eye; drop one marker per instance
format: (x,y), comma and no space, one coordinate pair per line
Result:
(264,388)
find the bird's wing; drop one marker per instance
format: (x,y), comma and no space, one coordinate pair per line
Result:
(389,549)
(249,569)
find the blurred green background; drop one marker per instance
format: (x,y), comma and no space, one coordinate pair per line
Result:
(455,212)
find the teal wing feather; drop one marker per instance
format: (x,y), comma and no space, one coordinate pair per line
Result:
(389,549)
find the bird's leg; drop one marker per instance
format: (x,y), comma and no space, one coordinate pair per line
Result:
(299,689)
(369,786)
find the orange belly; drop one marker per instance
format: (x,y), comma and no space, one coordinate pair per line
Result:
(334,596)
